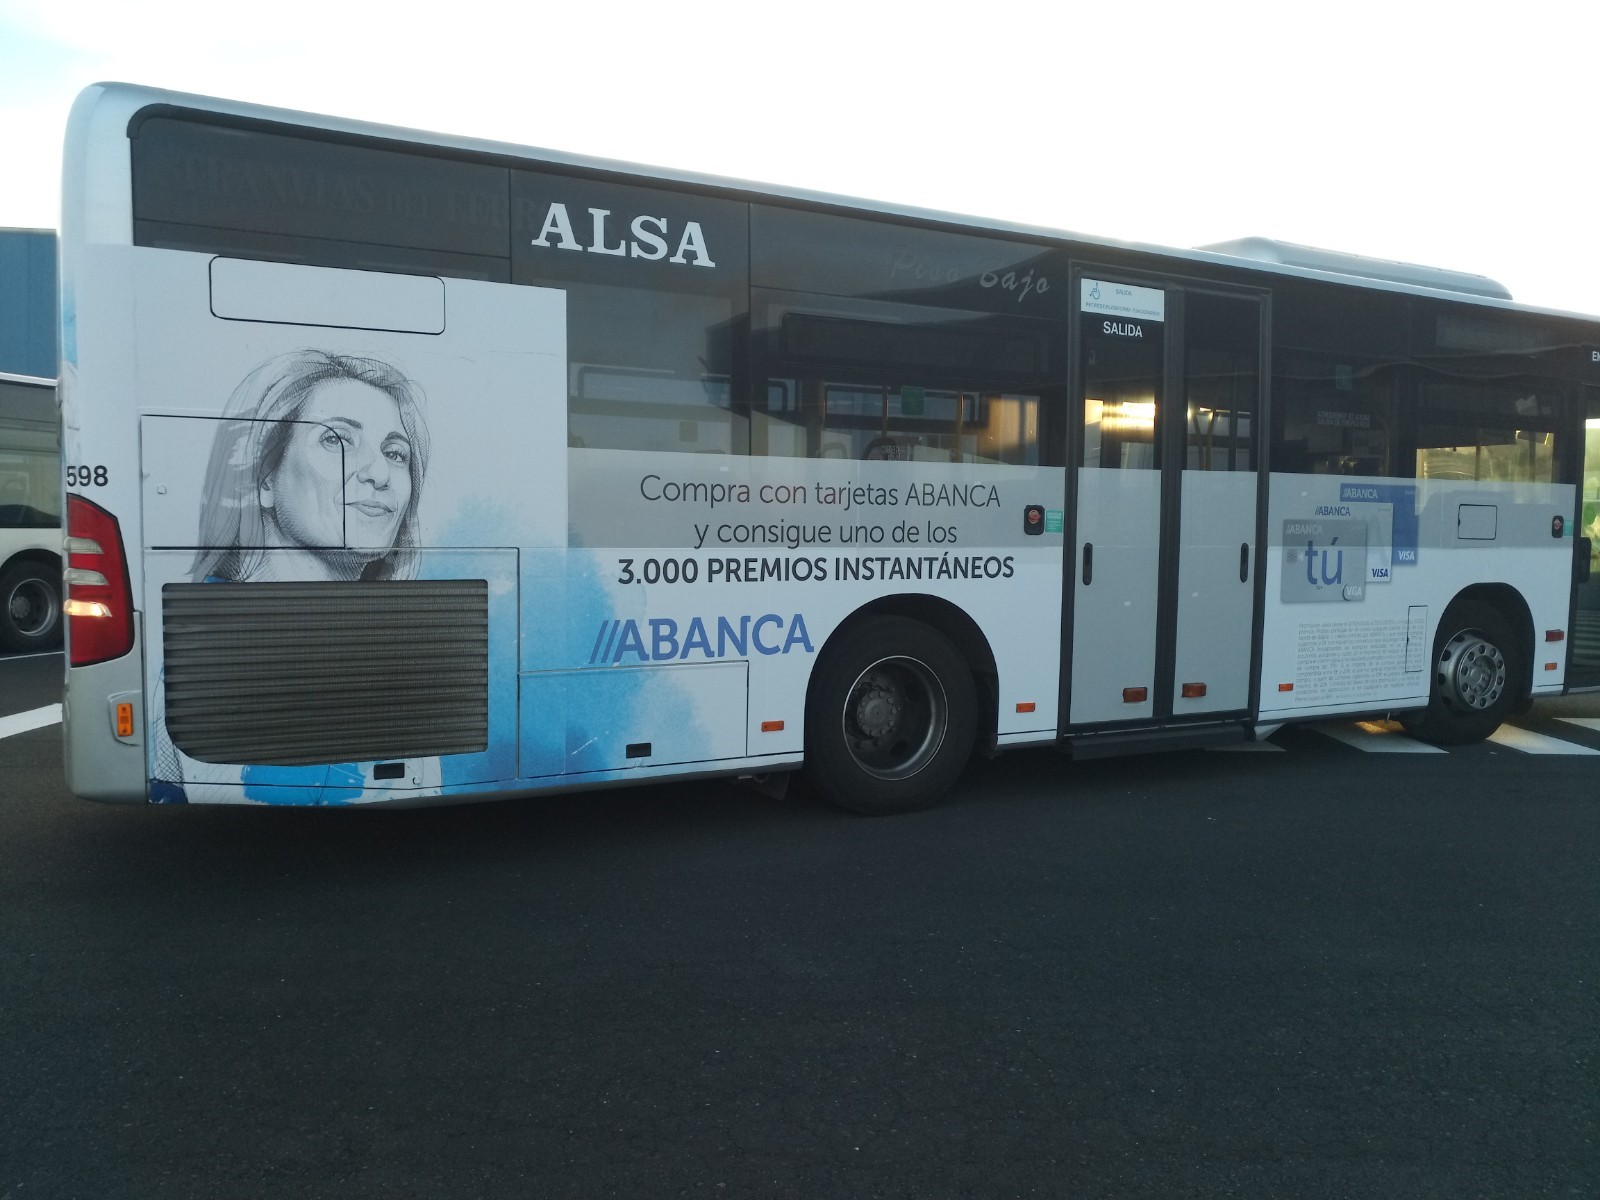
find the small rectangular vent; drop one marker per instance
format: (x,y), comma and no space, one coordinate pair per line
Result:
(299,673)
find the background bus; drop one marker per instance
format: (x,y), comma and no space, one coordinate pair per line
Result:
(30,515)
(30,466)
(405,468)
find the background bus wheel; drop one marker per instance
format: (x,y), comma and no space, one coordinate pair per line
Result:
(889,718)
(1477,677)
(30,607)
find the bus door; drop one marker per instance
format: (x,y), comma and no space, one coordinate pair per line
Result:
(1163,580)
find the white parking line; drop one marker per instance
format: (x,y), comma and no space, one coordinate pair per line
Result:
(1375,737)
(1535,743)
(1582,722)
(36,718)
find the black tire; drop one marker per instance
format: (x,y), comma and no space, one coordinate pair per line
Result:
(30,607)
(890,717)
(1478,677)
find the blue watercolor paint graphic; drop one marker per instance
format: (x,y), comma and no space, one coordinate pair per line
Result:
(596,708)
(339,783)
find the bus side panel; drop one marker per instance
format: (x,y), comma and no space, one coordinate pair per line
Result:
(681,558)
(632,718)
(1359,572)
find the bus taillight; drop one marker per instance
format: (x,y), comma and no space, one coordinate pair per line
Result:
(99,603)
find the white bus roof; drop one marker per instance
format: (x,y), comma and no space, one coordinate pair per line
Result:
(1261,254)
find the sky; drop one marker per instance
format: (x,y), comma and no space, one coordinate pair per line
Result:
(1459,135)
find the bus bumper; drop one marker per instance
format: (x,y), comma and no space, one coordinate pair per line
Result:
(99,764)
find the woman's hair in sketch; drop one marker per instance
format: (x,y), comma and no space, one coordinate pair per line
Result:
(251,440)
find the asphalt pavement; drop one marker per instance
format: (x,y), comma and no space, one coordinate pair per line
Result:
(1315,972)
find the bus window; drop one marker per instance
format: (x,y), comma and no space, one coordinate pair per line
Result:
(1122,393)
(649,371)
(1489,430)
(30,463)
(1335,416)
(656,284)
(855,379)
(1222,381)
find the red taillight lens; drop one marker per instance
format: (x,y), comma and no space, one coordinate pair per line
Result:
(99,600)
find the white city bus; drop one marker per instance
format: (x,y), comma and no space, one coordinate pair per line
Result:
(404,468)
(30,515)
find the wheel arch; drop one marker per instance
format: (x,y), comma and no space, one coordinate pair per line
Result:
(1510,604)
(956,625)
(46,557)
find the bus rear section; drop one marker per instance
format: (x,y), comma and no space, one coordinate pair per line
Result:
(339,475)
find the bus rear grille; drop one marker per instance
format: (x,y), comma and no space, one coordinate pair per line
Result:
(299,673)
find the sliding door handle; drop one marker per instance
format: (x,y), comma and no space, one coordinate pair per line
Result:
(1088,563)
(1244,562)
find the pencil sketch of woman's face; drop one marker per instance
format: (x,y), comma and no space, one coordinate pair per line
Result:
(316,473)
(345,475)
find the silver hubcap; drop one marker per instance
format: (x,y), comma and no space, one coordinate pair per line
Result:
(1472,671)
(895,718)
(31,607)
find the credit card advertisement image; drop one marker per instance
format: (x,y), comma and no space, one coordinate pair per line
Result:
(1324,562)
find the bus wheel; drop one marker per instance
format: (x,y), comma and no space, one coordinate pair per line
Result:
(890,717)
(1476,676)
(30,607)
